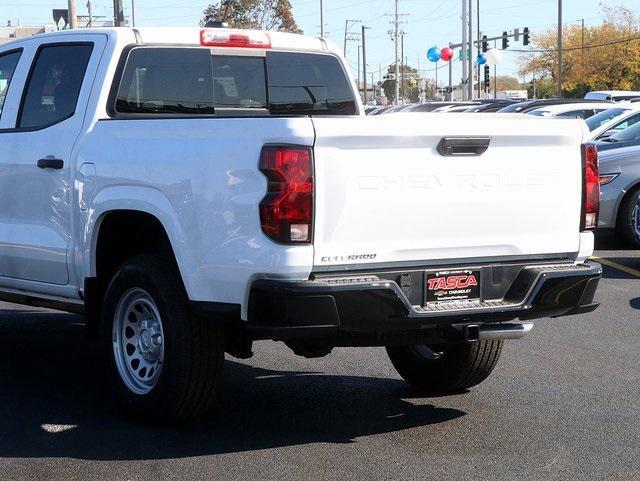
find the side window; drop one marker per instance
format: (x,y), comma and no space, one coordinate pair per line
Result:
(54,84)
(8,63)
(627,123)
(167,81)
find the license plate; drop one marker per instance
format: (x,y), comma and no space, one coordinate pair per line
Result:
(449,286)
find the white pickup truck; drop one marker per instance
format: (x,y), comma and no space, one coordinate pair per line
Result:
(193,191)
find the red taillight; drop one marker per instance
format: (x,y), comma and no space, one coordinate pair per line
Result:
(591,187)
(237,39)
(286,213)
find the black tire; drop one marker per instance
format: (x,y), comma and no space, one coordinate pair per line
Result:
(625,229)
(460,367)
(193,348)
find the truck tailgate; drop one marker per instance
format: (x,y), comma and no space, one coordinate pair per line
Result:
(385,195)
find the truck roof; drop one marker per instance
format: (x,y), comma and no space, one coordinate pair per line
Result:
(191,36)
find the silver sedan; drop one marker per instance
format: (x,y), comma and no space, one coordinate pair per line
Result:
(620,193)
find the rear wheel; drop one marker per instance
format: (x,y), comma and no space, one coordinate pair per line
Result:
(164,364)
(446,369)
(628,226)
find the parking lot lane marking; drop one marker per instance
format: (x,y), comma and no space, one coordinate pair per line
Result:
(617,266)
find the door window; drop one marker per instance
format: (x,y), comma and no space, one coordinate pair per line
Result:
(8,63)
(54,85)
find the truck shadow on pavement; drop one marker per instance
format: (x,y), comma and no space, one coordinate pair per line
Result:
(54,403)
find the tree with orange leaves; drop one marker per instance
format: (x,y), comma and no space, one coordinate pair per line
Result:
(604,57)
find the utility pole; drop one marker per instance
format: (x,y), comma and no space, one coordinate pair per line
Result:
(73,14)
(133,13)
(479,47)
(90,11)
(321,19)
(470,60)
(559,49)
(364,62)
(346,34)
(465,76)
(395,36)
(359,48)
(373,89)
(582,60)
(118,13)
(402,65)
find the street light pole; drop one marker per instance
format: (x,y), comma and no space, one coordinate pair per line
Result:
(118,13)
(559,93)
(73,14)
(465,77)
(321,19)
(364,61)
(470,60)
(395,36)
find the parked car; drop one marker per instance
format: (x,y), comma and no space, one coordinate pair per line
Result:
(620,193)
(625,138)
(615,95)
(573,110)
(430,106)
(524,107)
(491,107)
(396,109)
(382,110)
(192,191)
(459,107)
(613,120)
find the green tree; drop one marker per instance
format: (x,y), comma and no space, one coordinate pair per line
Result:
(253,14)
(409,89)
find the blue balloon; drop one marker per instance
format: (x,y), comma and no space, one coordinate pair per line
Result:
(482,59)
(433,54)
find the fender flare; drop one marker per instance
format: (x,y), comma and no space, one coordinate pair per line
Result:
(132,198)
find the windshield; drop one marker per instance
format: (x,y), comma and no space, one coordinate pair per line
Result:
(604,117)
(539,113)
(631,133)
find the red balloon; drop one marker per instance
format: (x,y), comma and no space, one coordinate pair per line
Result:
(446,54)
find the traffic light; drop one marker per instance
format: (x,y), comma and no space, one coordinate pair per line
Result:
(525,37)
(505,40)
(487,79)
(485,44)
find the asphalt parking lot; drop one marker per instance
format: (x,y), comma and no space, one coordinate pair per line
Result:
(564,403)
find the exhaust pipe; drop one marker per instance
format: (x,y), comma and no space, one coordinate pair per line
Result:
(503,332)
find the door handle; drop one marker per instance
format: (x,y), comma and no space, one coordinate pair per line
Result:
(50,163)
(463,146)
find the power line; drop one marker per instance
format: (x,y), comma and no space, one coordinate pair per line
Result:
(605,44)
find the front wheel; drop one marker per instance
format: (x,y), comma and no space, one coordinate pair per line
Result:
(164,364)
(628,226)
(453,369)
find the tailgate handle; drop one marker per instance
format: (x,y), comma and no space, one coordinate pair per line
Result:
(463,146)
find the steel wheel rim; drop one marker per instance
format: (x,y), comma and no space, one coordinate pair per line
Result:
(138,341)
(635,217)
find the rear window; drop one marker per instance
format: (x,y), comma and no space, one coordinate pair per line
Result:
(169,80)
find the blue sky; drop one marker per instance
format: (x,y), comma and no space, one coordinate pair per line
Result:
(429,22)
